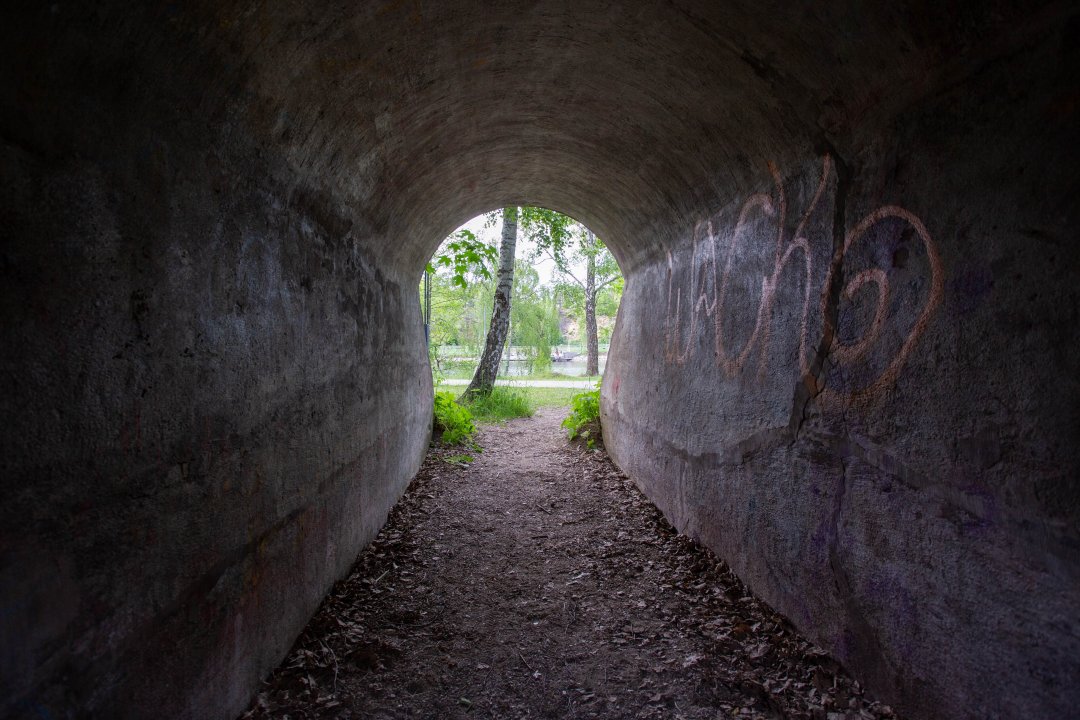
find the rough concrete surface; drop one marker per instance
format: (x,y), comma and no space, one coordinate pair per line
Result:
(846,358)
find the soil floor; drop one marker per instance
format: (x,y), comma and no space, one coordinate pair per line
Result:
(537,582)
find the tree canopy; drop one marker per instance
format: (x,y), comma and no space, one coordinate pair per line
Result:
(467,257)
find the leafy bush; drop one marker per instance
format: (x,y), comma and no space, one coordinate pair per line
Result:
(584,418)
(455,421)
(501,404)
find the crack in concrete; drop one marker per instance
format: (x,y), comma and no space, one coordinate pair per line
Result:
(813,385)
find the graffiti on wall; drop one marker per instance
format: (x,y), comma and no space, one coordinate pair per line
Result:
(702,298)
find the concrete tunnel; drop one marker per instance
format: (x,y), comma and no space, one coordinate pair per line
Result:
(846,360)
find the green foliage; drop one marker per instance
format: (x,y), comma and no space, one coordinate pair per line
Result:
(437,373)
(608,299)
(466,256)
(572,282)
(572,297)
(539,397)
(549,230)
(459,316)
(455,421)
(502,403)
(584,418)
(580,247)
(462,287)
(534,319)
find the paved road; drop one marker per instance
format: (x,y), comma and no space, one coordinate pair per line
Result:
(576,384)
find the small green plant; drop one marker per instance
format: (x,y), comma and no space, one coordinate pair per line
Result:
(501,403)
(437,373)
(455,421)
(584,418)
(459,460)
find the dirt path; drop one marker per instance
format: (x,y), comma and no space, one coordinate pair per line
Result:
(539,583)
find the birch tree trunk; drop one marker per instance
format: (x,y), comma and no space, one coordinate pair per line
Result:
(484,377)
(593,365)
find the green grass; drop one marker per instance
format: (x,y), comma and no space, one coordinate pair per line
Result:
(466,374)
(554,375)
(502,404)
(549,397)
(549,375)
(535,398)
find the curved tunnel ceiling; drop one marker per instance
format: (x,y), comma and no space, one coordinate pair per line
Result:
(625,116)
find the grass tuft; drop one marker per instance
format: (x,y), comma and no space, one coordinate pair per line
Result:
(537,397)
(502,404)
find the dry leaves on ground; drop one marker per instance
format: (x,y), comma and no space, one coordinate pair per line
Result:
(538,581)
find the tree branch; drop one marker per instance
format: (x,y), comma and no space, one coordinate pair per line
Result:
(561,266)
(607,282)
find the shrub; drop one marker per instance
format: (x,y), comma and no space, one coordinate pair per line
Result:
(500,404)
(455,422)
(584,418)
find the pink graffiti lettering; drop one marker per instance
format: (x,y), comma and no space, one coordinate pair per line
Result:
(708,297)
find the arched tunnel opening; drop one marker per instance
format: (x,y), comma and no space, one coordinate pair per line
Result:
(845,359)
(563,288)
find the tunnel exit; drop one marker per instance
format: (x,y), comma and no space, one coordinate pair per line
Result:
(532,313)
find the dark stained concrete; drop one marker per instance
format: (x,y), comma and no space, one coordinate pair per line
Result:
(847,356)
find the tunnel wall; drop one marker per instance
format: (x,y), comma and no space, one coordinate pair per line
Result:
(858,383)
(213,369)
(212,389)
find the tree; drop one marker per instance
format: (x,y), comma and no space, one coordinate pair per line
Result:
(534,319)
(551,231)
(601,270)
(467,260)
(607,306)
(488,367)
